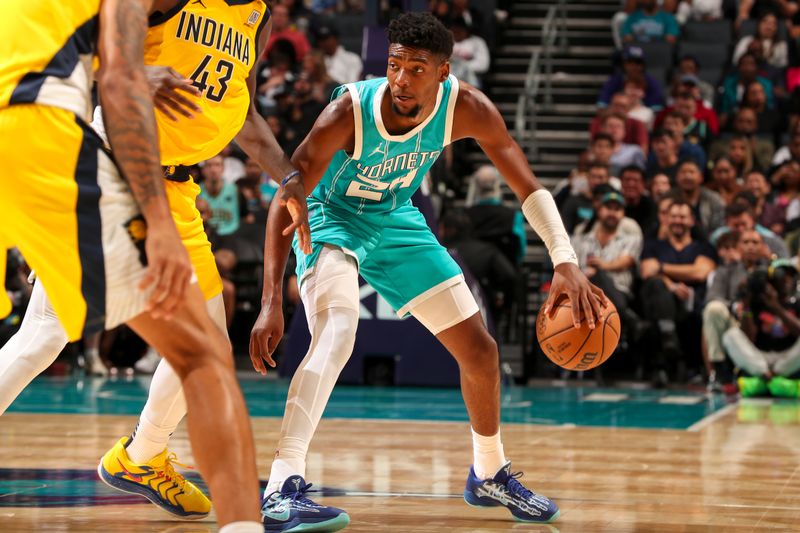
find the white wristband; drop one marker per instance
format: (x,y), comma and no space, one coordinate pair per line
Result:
(542,214)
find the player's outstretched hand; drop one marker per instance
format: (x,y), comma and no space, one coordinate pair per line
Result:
(169,270)
(292,196)
(585,298)
(169,90)
(265,337)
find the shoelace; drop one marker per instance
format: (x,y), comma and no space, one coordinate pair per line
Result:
(169,470)
(299,495)
(517,488)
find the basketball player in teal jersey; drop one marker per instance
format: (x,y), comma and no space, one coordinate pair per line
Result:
(362,161)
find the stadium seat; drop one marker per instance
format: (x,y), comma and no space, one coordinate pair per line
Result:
(657,55)
(660,75)
(714,32)
(712,75)
(708,55)
(749,27)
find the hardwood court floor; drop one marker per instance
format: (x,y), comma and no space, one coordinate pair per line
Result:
(738,472)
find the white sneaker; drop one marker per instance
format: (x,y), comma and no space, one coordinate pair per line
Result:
(94,365)
(148,363)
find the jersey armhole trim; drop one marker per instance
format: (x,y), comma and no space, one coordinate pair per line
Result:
(261,25)
(358,120)
(451,109)
(161,18)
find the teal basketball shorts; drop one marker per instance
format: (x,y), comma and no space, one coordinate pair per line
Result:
(397,253)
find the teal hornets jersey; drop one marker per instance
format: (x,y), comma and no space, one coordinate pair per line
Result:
(384,170)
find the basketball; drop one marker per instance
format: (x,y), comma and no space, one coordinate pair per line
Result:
(577,348)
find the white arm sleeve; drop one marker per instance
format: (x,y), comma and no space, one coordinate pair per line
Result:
(542,214)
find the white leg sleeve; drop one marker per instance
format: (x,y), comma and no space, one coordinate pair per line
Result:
(166,405)
(744,353)
(330,297)
(32,349)
(789,362)
(446,308)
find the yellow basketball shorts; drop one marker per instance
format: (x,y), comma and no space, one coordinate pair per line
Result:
(65,206)
(182,198)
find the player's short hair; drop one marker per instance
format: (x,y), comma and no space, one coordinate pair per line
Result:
(421,30)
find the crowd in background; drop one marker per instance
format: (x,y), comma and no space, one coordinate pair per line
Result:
(685,207)
(304,61)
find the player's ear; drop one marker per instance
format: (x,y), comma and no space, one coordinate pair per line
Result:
(444,70)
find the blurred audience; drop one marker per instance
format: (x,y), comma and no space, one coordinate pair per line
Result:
(650,23)
(342,65)
(222,197)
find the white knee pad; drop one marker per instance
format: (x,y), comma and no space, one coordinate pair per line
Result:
(331,299)
(333,283)
(446,308)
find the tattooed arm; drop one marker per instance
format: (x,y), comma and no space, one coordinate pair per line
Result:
(131,128)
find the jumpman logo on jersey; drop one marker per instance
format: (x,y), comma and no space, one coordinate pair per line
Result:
(200,2)
(378,150)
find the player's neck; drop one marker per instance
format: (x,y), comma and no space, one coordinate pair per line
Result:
(397,124)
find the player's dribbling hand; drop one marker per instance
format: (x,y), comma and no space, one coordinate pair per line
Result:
(292,196)
(167,88)
(169,270)
(585,298)
(266,335)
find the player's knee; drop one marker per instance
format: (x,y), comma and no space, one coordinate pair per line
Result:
(49,343)
(194,351)
(334,330)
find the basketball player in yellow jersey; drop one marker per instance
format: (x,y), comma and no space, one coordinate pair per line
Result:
(63,203)
(211,47)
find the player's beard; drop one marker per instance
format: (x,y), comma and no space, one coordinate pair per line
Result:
(413,112)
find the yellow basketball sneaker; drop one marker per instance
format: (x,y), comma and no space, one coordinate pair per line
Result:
(156,480)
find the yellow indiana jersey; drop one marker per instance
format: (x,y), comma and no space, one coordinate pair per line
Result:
(46,53)
(215,43)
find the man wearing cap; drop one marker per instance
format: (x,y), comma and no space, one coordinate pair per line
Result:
(343,66)
(688,65)
(607,255)
(649,24)
(633,68)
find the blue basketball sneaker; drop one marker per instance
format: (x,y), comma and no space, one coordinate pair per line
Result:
(504,489)
(290,510)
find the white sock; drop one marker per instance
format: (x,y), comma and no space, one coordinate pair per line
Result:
(281,470)
(162,413)
(311,386)
(242,527)
(487,454)
(166,405)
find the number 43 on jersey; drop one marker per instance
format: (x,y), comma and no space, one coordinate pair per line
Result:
(213,91)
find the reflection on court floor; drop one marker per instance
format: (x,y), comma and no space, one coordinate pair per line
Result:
(614,459)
